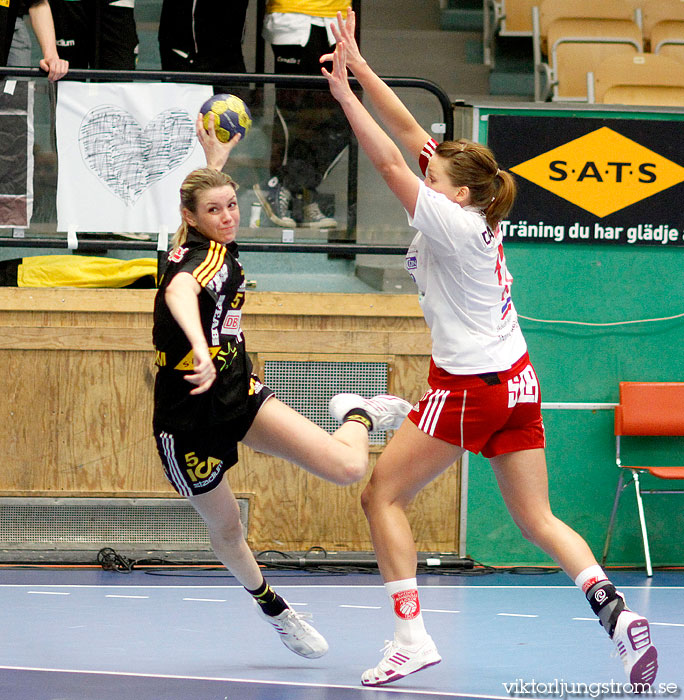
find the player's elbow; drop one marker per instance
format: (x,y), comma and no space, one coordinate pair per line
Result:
(353,470)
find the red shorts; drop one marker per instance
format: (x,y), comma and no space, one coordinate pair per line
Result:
(492,413)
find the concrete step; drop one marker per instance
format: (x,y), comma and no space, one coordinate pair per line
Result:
(461,19)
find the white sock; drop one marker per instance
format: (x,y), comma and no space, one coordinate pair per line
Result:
(409,628)
(589,577)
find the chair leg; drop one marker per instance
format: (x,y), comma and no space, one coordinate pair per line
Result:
(642,520)
(609,534)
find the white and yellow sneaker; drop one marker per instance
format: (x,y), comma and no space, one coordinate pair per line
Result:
(387,412)
(295,633)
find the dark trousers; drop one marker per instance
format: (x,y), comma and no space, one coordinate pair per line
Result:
(310,129)
(203,36)
(95,34)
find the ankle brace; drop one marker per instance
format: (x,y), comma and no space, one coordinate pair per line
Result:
(606,603)
(269,601)
(359,415)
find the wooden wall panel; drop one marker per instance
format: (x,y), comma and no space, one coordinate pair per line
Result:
(77,405)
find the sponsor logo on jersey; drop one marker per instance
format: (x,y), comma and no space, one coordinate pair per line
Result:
(231,323)
(255,386)
(177,254)
(219,279)
(524,388)
(187,364)
(601,172)
(217,317)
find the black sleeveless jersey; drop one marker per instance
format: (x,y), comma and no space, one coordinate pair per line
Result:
(217,270)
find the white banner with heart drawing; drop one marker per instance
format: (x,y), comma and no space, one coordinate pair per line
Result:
(123,150)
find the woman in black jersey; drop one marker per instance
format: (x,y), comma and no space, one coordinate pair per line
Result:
(207,399)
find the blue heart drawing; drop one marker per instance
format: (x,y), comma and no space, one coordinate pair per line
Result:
(129,159)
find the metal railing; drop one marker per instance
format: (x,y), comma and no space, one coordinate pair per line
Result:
(258,79)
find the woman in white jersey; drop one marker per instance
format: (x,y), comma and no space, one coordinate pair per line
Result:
(484,394)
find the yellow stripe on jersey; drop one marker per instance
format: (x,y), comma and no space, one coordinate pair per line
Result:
(211,265)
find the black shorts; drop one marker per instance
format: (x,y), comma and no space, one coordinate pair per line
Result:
(195,461)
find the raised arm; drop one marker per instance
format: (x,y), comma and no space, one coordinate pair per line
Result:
(391,110)
(378,146)
(44,29)
(181,297)
(216,152)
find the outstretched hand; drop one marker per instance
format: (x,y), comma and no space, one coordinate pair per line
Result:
(215,151)
(344,31)
(338,81)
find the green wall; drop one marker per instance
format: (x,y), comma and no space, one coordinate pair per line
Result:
(584,364)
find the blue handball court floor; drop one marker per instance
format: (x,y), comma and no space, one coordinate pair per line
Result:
(89,634)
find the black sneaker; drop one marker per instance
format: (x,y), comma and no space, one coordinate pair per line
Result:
(276,201)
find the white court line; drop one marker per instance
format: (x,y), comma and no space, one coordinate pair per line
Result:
(362,607)
(516,615)
(111,595)
(439,611)
(207,600)
(364,689)
(48,592)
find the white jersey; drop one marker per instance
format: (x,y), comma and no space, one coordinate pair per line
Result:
(459,266)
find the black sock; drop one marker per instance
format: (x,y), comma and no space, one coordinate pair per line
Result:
(269,601)
(359,415)
(606,603)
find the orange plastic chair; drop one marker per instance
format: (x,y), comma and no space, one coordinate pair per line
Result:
(640,79)
(663,24)
(571,37)
(646,409)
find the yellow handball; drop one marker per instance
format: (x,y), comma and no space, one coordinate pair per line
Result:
(230,114)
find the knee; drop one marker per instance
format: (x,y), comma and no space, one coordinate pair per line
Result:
(367,498)
(376,497)
(537,529)
(229,531)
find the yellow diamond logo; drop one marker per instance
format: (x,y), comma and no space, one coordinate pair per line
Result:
(602,172)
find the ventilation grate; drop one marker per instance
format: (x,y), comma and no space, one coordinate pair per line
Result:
(308,386)
(155,523)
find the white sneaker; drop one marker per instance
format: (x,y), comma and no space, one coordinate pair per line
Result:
(386,411)
(398,662)
(295,633)
(632,637)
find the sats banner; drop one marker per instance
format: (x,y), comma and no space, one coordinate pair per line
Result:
(593,180)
